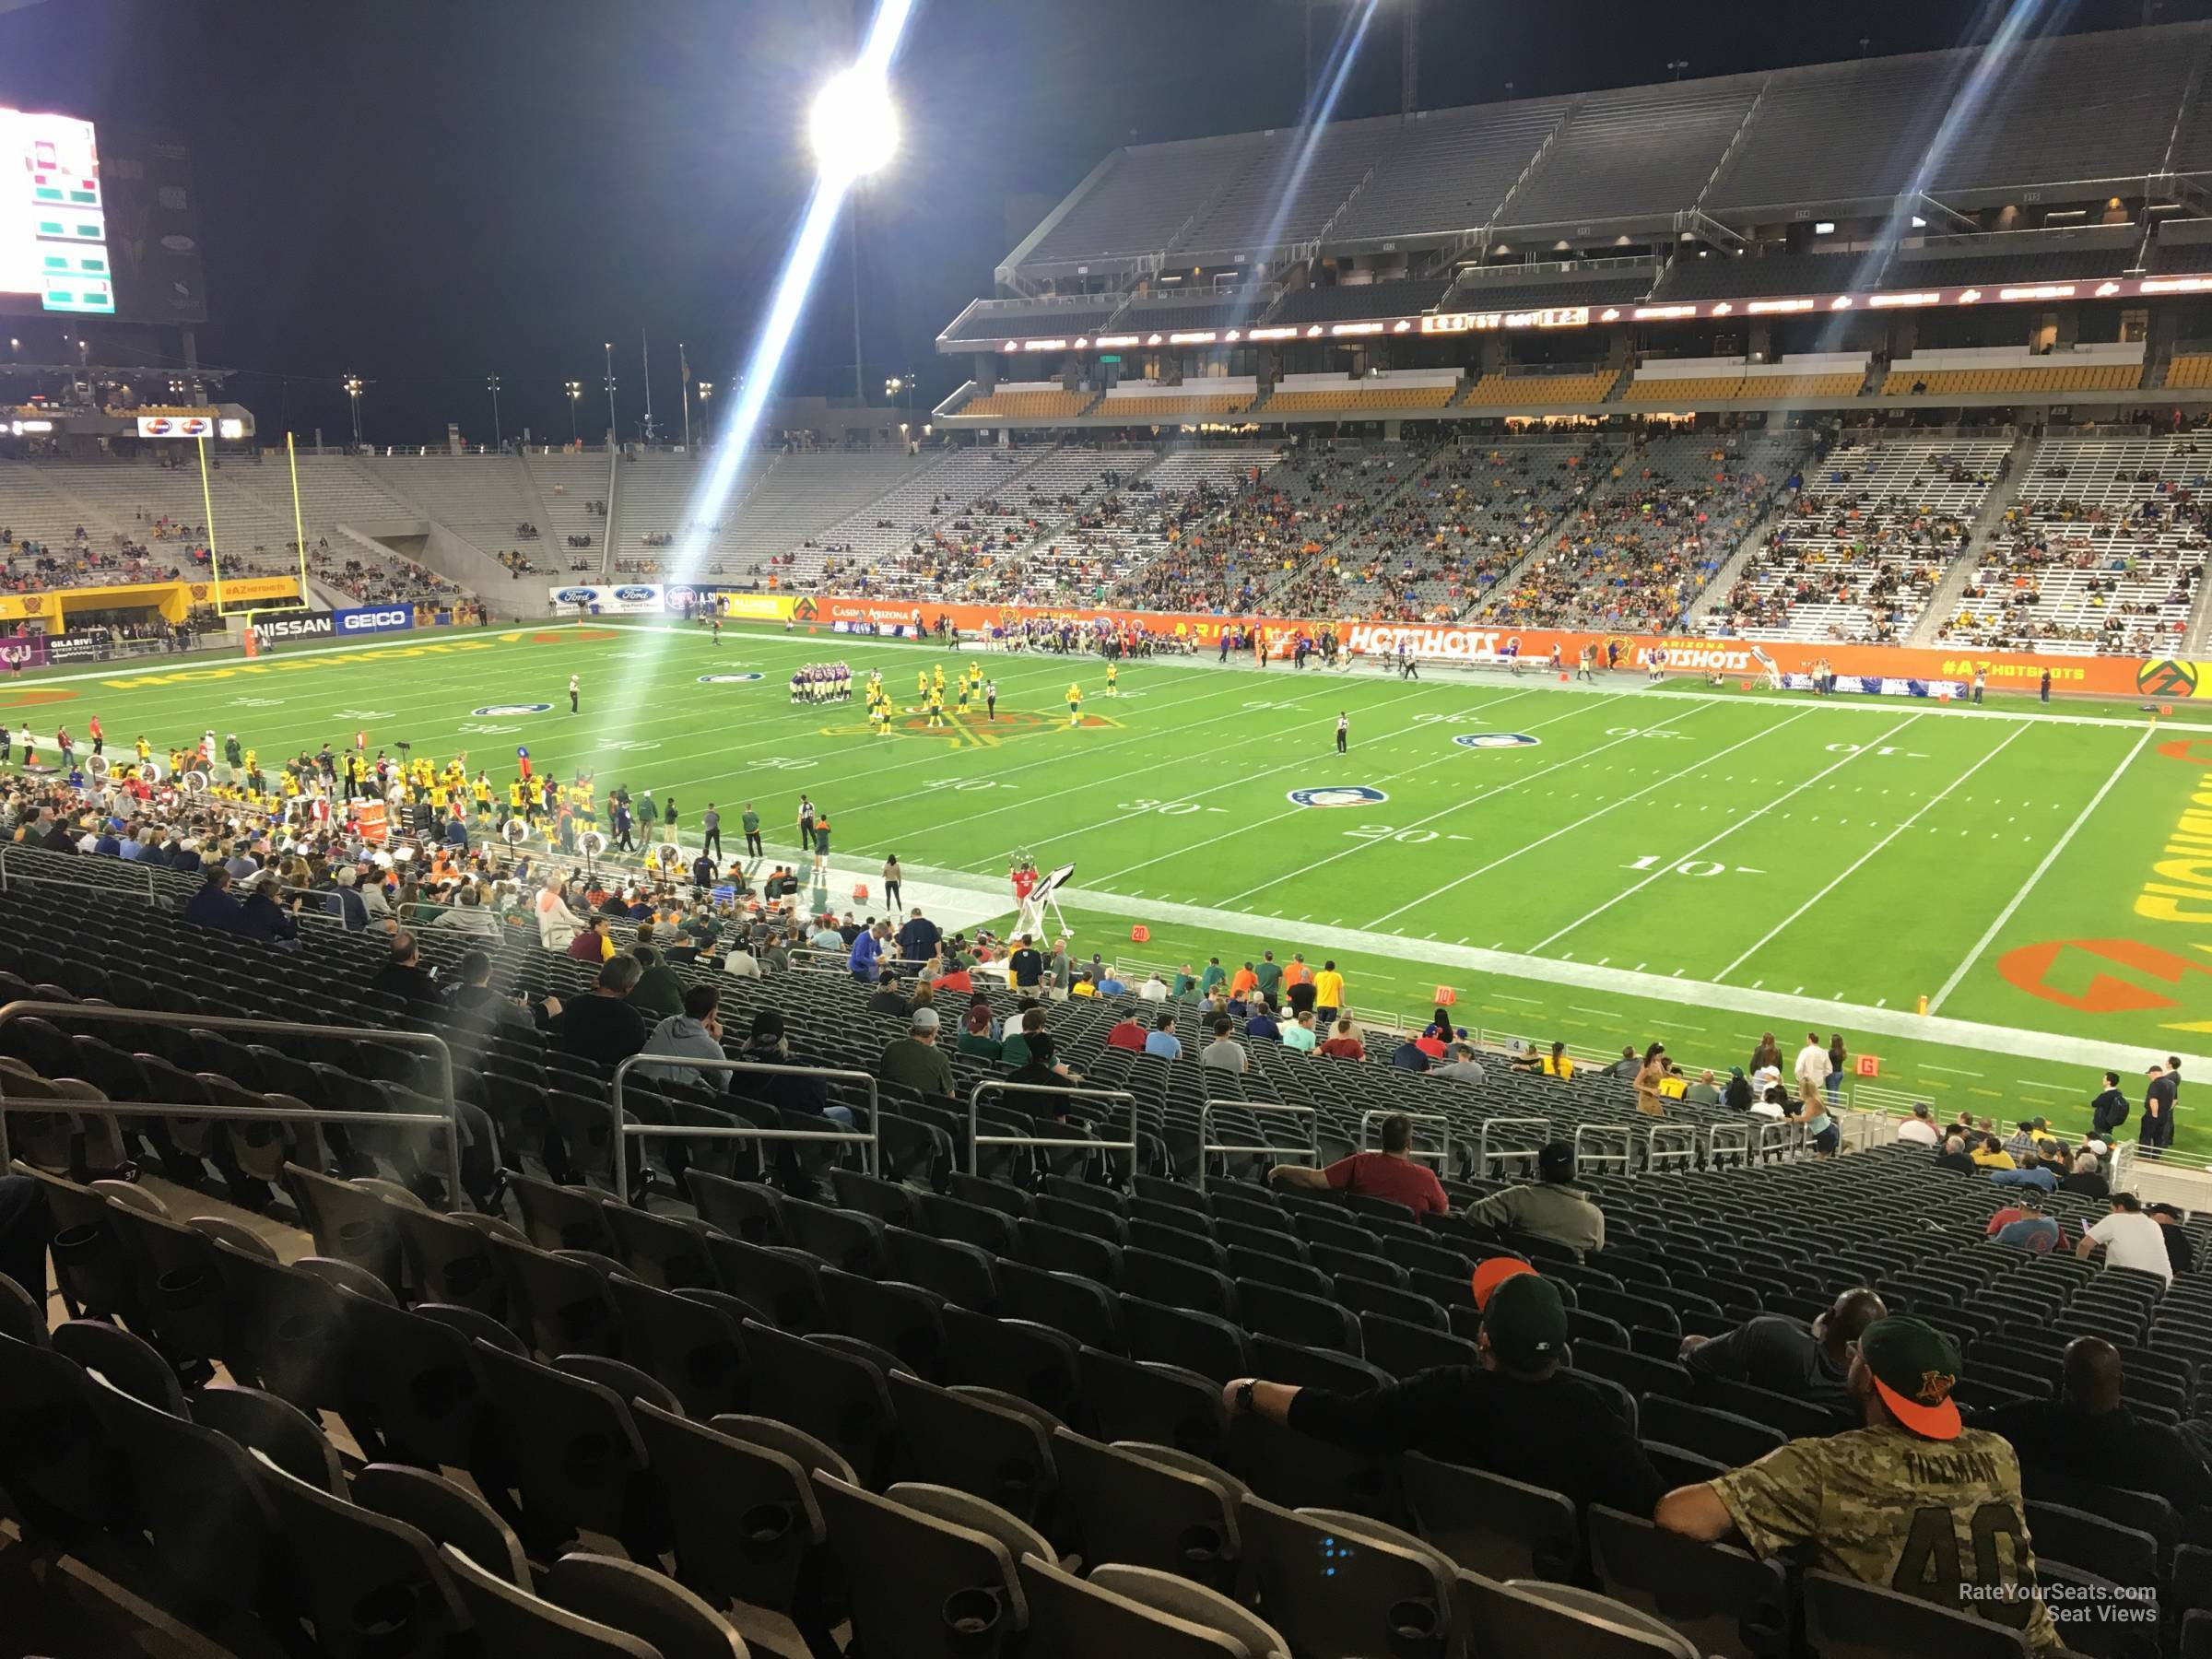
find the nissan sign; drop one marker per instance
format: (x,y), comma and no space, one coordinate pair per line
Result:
(296,625)
(374,619)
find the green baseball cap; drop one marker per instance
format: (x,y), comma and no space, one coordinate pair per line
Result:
(1525,1322)
(1916,1366)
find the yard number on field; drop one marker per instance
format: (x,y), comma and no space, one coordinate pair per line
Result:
(1171,809)
(1883,748)
(1688,866)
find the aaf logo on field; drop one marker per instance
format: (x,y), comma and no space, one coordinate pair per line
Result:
(1491,740)
(726,679)
(1337,795)
(512,709)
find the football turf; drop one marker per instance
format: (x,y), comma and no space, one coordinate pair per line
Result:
(1603,864)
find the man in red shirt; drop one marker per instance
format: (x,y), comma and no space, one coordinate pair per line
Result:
(1389,1173)
(1129,1033)
(1346,1044)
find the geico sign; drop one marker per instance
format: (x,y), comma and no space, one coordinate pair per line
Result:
(370,621)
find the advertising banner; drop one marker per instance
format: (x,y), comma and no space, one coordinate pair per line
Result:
(294,626)
(623,599)
(27,650)
(80,648)
(374,618)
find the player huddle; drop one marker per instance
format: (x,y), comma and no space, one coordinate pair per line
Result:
(970,687)
(821,683)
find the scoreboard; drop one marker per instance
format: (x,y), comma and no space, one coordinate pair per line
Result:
(99,223)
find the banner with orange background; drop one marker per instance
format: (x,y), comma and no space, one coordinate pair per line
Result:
(2163,678)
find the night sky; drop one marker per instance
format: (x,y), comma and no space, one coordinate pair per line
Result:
(425,193)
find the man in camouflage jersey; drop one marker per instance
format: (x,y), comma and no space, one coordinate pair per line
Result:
(1913,1501)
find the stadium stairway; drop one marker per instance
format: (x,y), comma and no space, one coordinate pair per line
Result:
(1989,523)
(1724,575)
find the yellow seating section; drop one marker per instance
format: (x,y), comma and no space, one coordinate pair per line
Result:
(1174,406)
(1524,391)
(1684,388)
(1029,405)
(1764,388)
(1361,397)
(2087,377)
(2190,368)
(1772,386)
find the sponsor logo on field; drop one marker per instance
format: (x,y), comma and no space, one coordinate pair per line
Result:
(512,709)
(2101,976)
(727,679)
(805,611)
(306,626)
(634,594)
(1337,795)
(1488,740)
(2166,677)
(680,597)
(374,619)
(583,596)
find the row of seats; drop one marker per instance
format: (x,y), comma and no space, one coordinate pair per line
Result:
(1525,389)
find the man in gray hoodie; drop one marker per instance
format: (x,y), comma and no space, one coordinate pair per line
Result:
(696,1031)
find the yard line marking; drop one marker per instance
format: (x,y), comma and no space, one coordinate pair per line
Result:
(1750,818)
(1952,1069)
(1855,865)
(2049,858)
(1580,822)
(1504,997)
(1601,1013)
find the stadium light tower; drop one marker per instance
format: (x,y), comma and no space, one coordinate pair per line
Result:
(706,400)
(613,432)
(492,385)
(854,129)
(353,392)
(575,391)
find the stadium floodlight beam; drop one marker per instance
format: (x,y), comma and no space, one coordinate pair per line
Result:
(862,96)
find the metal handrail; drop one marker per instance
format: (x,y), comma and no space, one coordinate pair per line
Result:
(1686,1154)
(34,878)
(1207,1149)
(1625,1158)
(1482,1141)
(977,1141)
(450,1117)
(1739,1132)
(1777,1134)
(622,1127)
(1443,1155)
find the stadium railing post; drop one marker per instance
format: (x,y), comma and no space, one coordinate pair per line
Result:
(450,1118)
(1739,1138)
(1442,1155)
(1312,1149)
(1589,1135)
(1685,1154)
(1483,1154)
(623,1129)
(977,1141)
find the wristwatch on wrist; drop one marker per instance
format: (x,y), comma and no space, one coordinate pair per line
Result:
(1244,1395)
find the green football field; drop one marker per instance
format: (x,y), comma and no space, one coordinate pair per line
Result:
(1605,866)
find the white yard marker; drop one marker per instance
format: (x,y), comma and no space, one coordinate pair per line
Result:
(2027,887)
(1783,926)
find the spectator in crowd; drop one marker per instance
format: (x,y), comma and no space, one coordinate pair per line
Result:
(2160,1096)
(1043,1069)
(1014,1041)
(1391,1174)
(696,1032)
(1154,989)
(2088,1433)
(1954,1156)
(345,901)
(1224,1052)
(263,915)
(2181,1254)
(1626,1066)
(1408,1056)
(1461,1066)
(918,937)
(2023,1225)
(556,924)
(402,974)
(1127,1032)
(2032,1172)
(1920,1128)
(592,944)
(1778,1353)
(1298,1035)
(1518,1412)
(1854,1502)
(1344,1042)
(886,998)
(975,1033)
(1328,993)
(2129,1238)
(768,1043)
(1705,1091)
(213,905)
(659,992)
(472,999)
(603,1026)
(914,1060)
(1989,1153)
(2086,1177)
(1552,1206)
(867,954)
(741,963)
(1161,1039)
(1737,1096)
(1260,1025)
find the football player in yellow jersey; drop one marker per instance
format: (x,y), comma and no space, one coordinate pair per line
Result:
(937,707)
(145,749)
(291,786)
(176,762)
(518,800)
(975,672)
(963,697)
(1075,704)
(937,674)
(481,792)
(879,717)
(1114,680)
(252,758)
(922,683)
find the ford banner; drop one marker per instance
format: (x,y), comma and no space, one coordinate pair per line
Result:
(375,619)
(621,599)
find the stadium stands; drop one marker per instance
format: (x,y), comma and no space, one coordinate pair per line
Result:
(1147,194)
(1997,369)
(1043,400)
(2189,369)
(1653,527)
(1345,302)
(1517,387)
(1208,399)
(1325,393)
(1289,191)
(2104,550)
(1452,170)
(1633,152)
(1838,132)
(1824,377)
(1865,543)
(1721,276)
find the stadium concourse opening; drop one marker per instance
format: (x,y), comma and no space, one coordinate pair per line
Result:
(1472,850)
